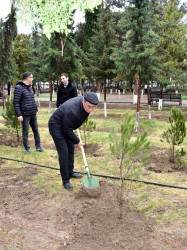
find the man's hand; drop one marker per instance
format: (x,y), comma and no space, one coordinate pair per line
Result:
(37,114)
(80,144)
(20,118)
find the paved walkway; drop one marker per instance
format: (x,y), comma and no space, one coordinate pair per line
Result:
(115,98)
(124,98)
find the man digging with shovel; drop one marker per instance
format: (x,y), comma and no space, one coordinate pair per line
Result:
(68,117)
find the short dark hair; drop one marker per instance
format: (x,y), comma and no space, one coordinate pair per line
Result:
(64,74)
(26,74)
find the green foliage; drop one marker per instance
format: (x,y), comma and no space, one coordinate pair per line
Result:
(137,55)
(11,121)
(91,24)
(21,53)
(100,65)
(52,16)
(172,45)
(47,61)
(88,126)
(131,153)
(175,133)
(7,34)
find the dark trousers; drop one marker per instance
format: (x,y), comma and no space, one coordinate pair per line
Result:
(32,121)
(65,149)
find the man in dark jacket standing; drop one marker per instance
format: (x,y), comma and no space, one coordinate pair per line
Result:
(66,90)
(26,110)
(68,117)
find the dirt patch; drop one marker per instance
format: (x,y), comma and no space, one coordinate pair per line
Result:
(159,161)
(10,141)
(30,219)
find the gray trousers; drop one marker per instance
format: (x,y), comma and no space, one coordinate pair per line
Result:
(32,121)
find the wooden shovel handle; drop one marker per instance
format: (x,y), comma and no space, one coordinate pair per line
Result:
(82,149)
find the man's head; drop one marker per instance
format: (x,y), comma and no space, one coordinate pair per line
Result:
(90,101)
(27,78)
(64,78)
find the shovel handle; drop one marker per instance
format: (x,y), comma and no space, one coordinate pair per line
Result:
(83,153)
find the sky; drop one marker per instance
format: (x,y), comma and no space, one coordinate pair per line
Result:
(26,29)
(5,10)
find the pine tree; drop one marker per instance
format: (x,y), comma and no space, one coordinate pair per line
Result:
(100,64)
(21,54)
(11,120)
(172,46)
(91,24)
(8,32)
(137,58)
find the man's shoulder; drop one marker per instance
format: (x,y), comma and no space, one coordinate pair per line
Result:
(73,103)
(19,87)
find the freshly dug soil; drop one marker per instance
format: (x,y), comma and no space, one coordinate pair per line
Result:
(30,219)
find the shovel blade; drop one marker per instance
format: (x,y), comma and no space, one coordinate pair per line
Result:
(91,183)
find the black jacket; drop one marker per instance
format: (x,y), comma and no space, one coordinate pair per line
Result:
(24,103)
(65,94)
(68,117)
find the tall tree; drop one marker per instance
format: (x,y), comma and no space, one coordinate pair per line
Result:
(21,53)
(8,32)
(53,17)
(137,58)
(172,46)
(91,24)
(100,63)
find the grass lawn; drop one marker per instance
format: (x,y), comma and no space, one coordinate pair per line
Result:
(148,199)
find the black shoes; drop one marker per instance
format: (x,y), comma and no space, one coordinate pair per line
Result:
(68,186)
(77,176)
(27,151)
(39,149)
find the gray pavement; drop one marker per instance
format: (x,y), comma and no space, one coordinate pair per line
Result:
(124,98)
(116,98)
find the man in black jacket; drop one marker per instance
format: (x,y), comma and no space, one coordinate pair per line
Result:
(26,110)
(68,117)
(66,90)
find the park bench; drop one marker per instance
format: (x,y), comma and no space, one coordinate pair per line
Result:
(166,97)
(45,90)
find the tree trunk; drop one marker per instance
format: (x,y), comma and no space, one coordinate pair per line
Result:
(3,89)
(82,87)
(138,104)
(51,97)
(160,101)
(149,102)
(135,92)
(38,93)
(105,108)
(9,89)
(98,85)
(62,44)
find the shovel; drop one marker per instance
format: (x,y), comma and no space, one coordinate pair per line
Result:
(89,182)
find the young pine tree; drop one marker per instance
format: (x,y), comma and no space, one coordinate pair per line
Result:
(11,120)
(88,126)
(176,132)
(128,152)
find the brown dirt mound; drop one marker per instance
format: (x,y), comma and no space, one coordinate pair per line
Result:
(30,219)
(159,161)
